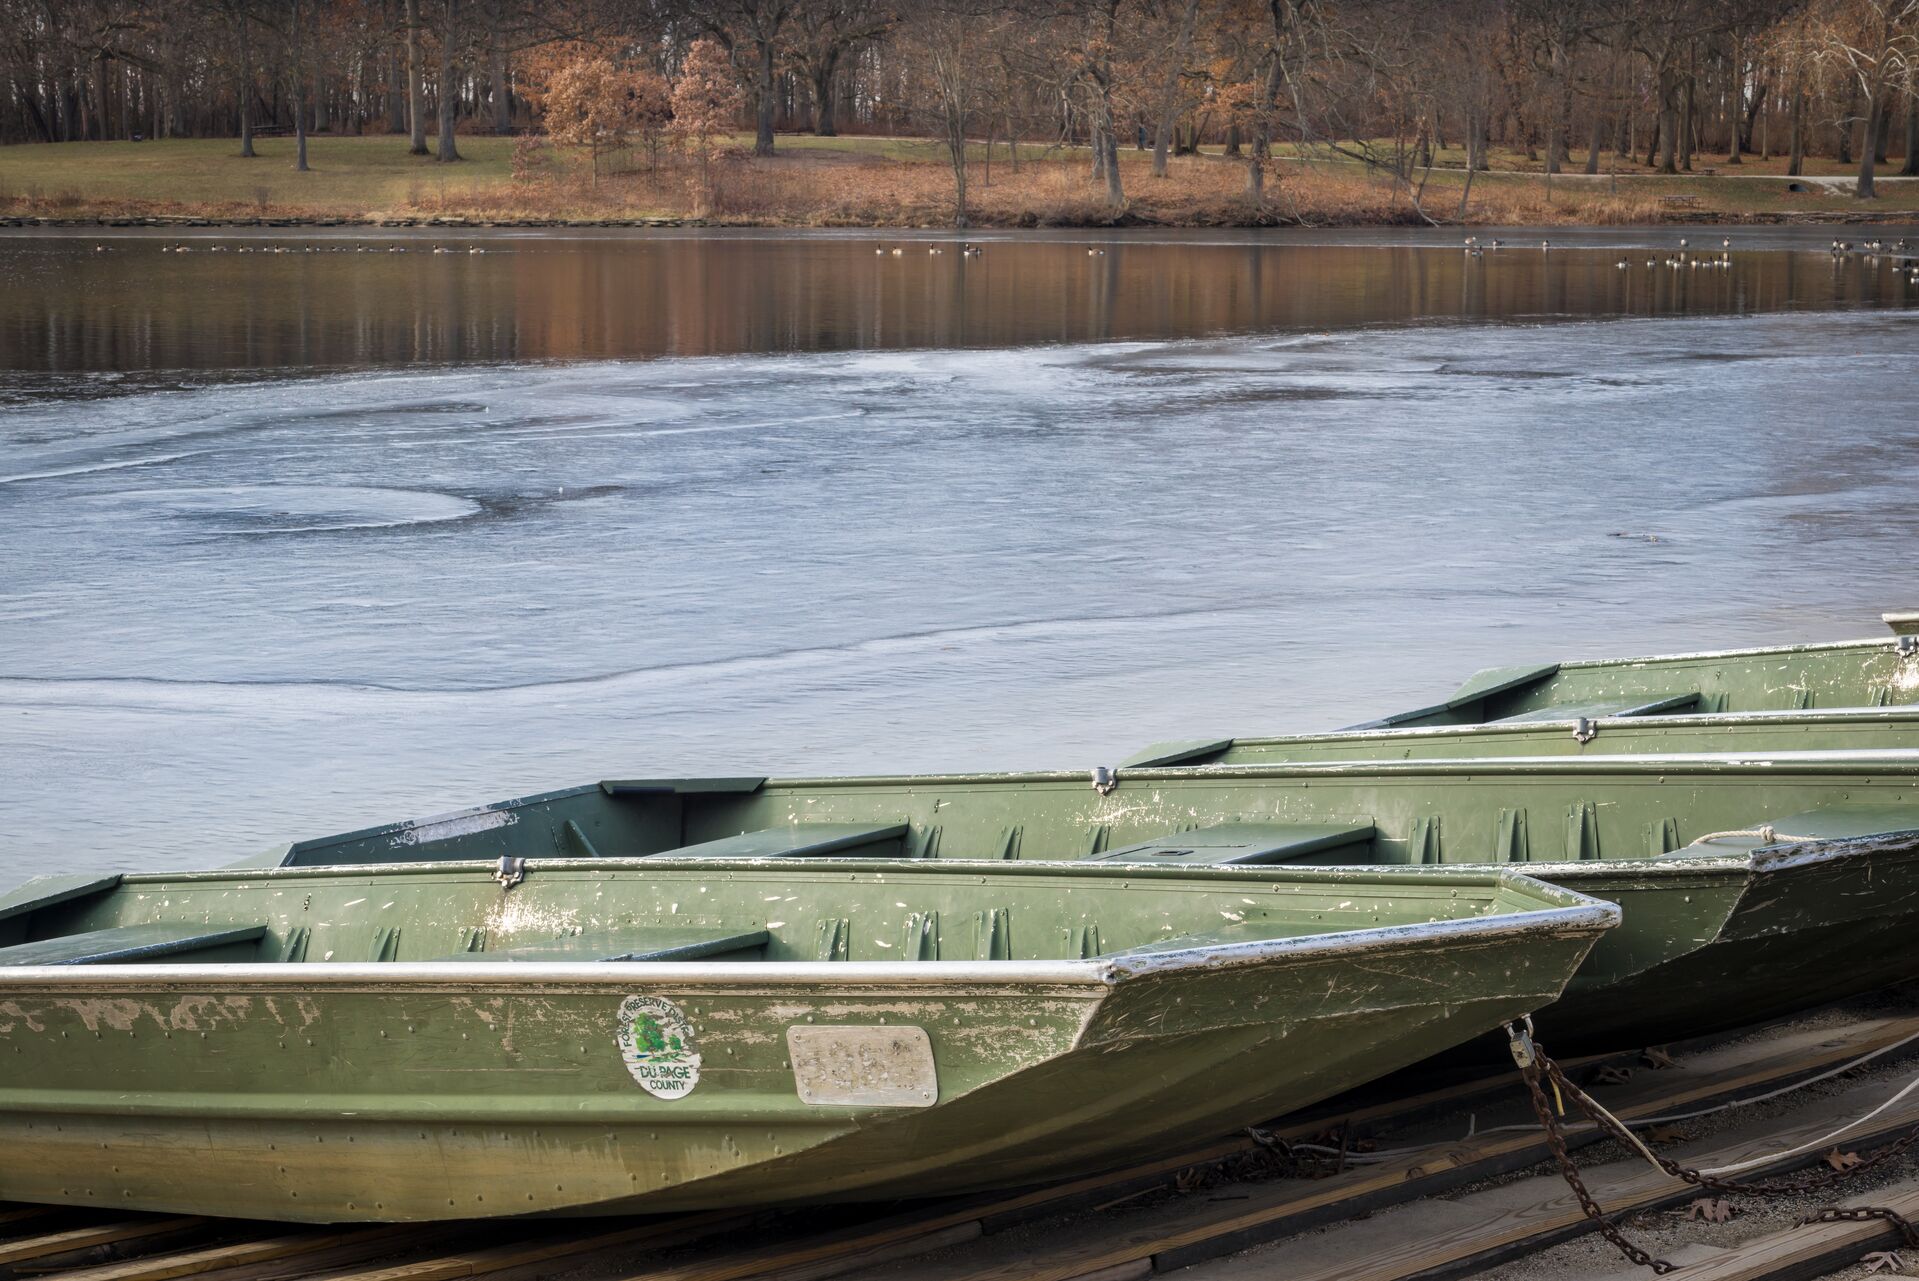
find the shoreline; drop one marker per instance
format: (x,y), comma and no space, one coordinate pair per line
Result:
(870,184)
(458,222)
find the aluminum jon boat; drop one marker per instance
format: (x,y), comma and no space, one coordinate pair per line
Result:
(1863,673)
(1753,885)
(604,1036)
(1849,729)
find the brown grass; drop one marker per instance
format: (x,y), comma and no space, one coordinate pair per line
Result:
(839,183)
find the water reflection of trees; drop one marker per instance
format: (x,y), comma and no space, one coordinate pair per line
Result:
(135,309)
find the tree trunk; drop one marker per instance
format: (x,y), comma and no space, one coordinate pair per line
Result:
(1597,141)
(449,92)
(1115,190)
(1668,123)
(1556,114)
(246,88)
(299,93)
(763,136)
(101,129)
(1870,150)
(1232,139)
(502,89)
(825,73)
(1688,127)
(1169,95)
(1911,167)
(1736,111)
(1846,126)
(415,83)
(1882,130)
(1796,160)
(395,84)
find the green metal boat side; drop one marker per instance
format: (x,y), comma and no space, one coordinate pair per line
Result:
(1864,673)
(869,1063)
(1630,817)
(1845,729)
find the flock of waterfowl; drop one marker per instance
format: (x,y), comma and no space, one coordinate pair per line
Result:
(934,251)
(1688,258)
(1906,260)
(310,249)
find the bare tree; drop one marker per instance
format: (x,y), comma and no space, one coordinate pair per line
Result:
(1169,94)
(751,32)
(415,82)
(827,30)
(1874,45)
(449,98)
(947,43)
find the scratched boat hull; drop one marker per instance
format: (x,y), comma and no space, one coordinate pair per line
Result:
(1779,929)
(1626,827)
(1047,1021)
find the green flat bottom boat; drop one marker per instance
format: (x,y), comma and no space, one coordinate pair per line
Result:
(1720,928)
(1833,674)
(456,1040)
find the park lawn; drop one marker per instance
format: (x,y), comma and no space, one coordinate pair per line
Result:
(846,181)
(350,176)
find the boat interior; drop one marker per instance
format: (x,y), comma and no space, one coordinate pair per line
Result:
(1518,810)
(678,910)
(1871,673)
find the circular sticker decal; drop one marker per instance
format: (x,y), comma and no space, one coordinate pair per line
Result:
(657,1043)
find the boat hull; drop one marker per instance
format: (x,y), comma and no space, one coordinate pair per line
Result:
(1820,926)
(1730,941)
(410,1090)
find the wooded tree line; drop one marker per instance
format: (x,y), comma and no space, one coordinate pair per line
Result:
(1568,84)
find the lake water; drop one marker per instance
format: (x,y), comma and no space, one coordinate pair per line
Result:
(298,542)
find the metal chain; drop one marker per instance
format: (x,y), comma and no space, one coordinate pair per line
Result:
(1867,1214)
(1529,1070)
(1535,1068)
(1814,1180)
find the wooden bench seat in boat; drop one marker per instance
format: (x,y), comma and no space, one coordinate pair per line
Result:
(803,840)
(128,944)
(641,943)
(1247,843)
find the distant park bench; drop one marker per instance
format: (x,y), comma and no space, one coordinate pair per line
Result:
(1679,200)
(273,131)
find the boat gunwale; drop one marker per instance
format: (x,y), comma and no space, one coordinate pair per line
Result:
(1488,875)
(1784,855)
(1747,651)
(1672,865)
(1013,977)
(1544,728)
(1888,760)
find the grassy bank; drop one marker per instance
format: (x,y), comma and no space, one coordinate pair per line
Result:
(865,182)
